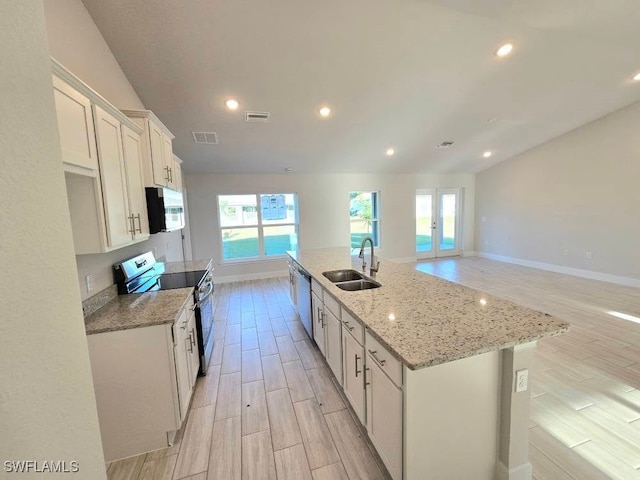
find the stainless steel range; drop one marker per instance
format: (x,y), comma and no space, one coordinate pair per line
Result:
(144,274)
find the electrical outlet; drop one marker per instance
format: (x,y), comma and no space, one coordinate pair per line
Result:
(89,281)
(168,246)
(589,255)
(155,252)
(522,380)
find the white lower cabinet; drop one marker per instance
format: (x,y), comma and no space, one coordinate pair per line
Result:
(353,373)
(143,380)
(333,343)
(317,314)
(384,417)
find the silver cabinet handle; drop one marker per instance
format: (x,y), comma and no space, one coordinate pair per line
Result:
(375,357)
(190,347)
(192,336)
(365,378)
(184,325)
(170,171)
(132,225)
(139,224)
(357,371)
(167,177)
(195,305)
(346,324)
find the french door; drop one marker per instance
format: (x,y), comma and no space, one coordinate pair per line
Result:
(438,222)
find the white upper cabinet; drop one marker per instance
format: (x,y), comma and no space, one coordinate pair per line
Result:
(75,126)
(102,153)
(132,149)
(159,166)
(113,179)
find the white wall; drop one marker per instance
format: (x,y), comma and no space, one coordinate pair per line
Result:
(76,42)
(323,209)
(578,193)
(47,403)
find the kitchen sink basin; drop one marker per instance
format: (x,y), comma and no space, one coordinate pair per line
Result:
(337,276)
(355,285)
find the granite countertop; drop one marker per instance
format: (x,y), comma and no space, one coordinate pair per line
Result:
(425,320)
(138,310)
(188,266)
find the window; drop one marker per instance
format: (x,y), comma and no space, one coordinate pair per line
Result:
(363,213)
(257,226)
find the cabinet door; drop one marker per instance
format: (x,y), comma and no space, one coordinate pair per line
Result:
(113,179)
(176,175)
(158,162)
(333,346)
(75,125)
(384,417)
(318,321)
(353,373)
(132,149)
(192,349)
(167,150)
(181,354)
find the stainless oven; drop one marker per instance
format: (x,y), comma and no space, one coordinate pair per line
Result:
(143,274)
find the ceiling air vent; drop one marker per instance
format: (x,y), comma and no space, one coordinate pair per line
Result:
(446,144)
(257,117)
(210,138)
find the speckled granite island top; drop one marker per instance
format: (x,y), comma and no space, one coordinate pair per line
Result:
(138,310)
(425,320)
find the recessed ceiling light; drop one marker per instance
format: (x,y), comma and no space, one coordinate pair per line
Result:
(504,50)
(636,77)
(232,104)
(390,152)
(487,154)
(325,111)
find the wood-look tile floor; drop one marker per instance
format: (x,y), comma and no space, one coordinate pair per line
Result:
(585,390)
(268,407)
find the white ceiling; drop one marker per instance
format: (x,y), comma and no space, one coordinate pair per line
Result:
(403,73)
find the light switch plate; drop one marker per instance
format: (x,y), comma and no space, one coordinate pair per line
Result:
(89,281)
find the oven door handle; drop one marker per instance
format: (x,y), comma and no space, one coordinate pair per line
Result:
(202,296)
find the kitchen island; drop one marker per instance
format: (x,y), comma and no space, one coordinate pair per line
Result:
(430,367)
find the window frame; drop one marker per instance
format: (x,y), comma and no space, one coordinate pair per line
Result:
(259,225)
(375,220)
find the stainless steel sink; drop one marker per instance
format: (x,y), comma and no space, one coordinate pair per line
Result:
(355,285)
(337,276)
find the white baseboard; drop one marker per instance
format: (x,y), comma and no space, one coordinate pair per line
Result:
(251,276)
(604,277)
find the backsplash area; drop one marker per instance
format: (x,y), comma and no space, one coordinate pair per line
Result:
(100,266)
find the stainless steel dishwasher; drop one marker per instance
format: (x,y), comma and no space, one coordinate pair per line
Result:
(303,299)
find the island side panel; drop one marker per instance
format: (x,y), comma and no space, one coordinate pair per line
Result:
(451,419)
(513,453)
(132,371)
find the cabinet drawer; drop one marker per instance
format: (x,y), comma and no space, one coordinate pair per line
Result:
(387,362)
(332,305)
(353,326)
(180,325)
(315,287)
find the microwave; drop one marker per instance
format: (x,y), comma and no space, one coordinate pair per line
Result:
(165,209)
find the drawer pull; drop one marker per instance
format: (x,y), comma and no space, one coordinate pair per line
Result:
(346,324)
(365,378)
(357,371)
(375,357)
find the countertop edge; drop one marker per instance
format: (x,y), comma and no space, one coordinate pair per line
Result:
(436,361)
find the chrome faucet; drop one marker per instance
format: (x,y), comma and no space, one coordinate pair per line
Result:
(374,265)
